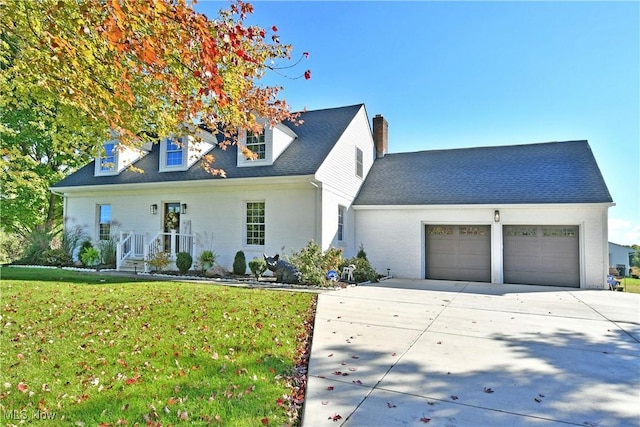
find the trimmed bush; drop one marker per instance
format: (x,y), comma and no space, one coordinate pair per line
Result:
(239,264)
(257,266)
(184,261)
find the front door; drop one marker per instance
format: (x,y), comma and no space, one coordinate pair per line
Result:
(171,222)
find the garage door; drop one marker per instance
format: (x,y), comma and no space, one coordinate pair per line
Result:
(541,255)
(458,252)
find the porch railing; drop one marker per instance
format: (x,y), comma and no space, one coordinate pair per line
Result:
(130,245)
(136,246)
(170,242)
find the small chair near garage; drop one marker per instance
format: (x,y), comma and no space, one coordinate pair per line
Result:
(347,272)
(614,284)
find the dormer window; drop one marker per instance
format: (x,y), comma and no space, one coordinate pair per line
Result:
(109,162)
(266,145)
(255,143)
(175,150)
(173,154)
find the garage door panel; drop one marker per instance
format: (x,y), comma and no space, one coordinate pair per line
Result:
(458,253)
(541,255)
(475,262)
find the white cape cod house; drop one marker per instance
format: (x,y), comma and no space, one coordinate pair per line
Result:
(530,214)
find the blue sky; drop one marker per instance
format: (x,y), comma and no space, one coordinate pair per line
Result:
(463,74)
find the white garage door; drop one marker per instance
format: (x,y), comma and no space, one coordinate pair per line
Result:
(458,252)
(541,255)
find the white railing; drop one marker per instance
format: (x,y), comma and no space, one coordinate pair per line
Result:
(172,243)
(130,245)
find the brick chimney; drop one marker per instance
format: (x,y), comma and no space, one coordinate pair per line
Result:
(380,135)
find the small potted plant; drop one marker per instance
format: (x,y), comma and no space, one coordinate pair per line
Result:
(207,258)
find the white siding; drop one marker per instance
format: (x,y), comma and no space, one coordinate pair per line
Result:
(340,185)
(394,237)
(290,211)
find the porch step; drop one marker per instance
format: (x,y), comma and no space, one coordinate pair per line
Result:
(132,265)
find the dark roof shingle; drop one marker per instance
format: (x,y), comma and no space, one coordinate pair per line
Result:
(316,137)
(554,172)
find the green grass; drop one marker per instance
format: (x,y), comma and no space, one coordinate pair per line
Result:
(630,285)
(87,349)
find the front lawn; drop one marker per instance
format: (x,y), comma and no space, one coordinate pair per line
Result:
(86,350)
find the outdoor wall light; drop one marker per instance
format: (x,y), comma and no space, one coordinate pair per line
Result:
(183,208)
(496,216)
(153,209)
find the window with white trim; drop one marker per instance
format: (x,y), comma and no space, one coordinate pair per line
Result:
(175,148)
(255,224)
(255,143)
(109,162)
(359,163)
(341,211)
(104,222)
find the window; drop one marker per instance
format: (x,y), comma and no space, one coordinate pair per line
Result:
(175,149)
(255,143)
(109,162)
(255,223)
(359,167)
(340,223)
(104,222)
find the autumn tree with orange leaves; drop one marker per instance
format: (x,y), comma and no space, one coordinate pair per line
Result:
(142,69)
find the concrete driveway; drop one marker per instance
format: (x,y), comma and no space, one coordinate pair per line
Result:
(416,353)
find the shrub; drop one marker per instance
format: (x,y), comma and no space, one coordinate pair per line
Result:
(184,261)
(313,264)
(90,256)
(57,257)
(361,253)
(159,261)
(71,238)
(86,244)
(239,263)
(37,243)
(108,251)
(257,266)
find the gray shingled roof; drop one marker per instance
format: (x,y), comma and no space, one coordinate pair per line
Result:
(316,137)
(554,172)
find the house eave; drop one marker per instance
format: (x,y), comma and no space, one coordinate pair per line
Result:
(209,183)
(483,206)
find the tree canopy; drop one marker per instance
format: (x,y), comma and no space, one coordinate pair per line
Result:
(74,72)
(141,69)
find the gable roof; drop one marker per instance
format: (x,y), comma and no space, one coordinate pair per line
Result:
(318,134)
(554,172)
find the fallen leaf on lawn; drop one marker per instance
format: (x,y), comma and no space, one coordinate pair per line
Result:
(330,388)
(22,387)
(265,421)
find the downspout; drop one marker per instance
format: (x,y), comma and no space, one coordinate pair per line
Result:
(64,204)
(317,211)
